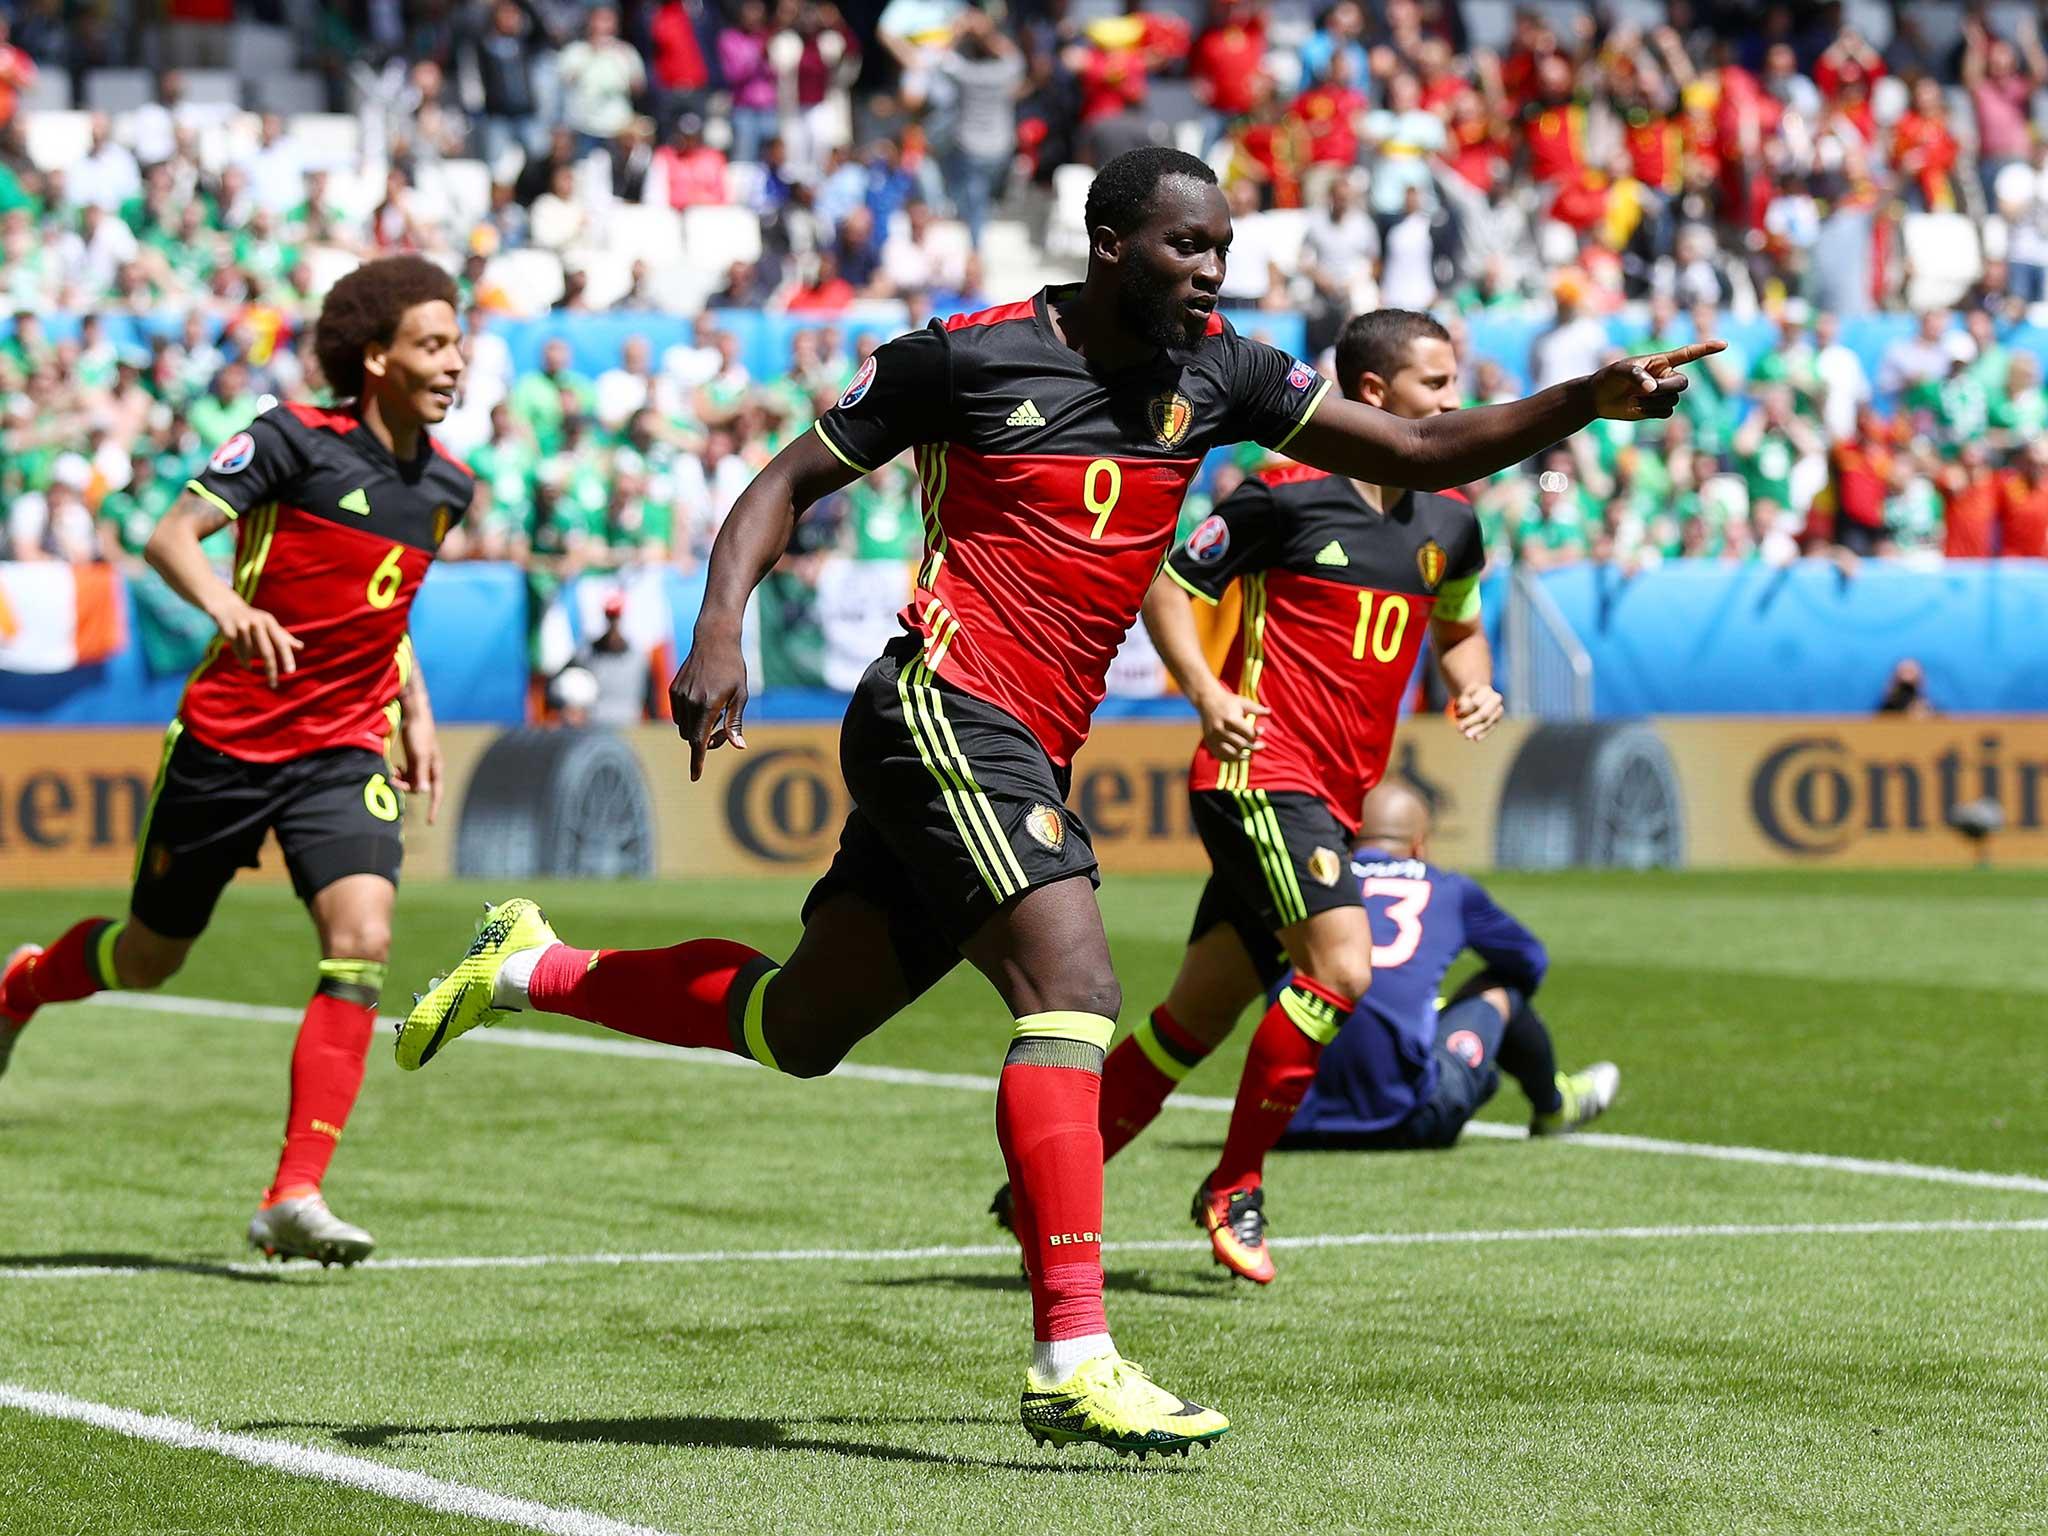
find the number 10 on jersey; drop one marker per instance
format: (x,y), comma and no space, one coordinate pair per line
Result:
(1382,620)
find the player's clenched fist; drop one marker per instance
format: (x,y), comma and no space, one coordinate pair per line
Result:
(1477,711)
(708,699)
(254,635)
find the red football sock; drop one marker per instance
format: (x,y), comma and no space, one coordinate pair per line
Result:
(327,1072)
(1134,1081)
(1276,1078)
(1045,1122)
(676,995)
(63,973)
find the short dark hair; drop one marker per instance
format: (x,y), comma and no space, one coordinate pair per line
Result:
(1378,342)
(365,308)
(1122,189)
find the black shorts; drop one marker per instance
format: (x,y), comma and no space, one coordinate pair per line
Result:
(1278,857)
(335,813)
(956,810)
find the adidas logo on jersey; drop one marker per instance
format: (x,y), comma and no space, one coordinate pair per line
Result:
(357,501)
(1332,553)
(1026,415)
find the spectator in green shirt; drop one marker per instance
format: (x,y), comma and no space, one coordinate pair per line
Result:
(226,408)
(1769,446)
(884,519)
(2019,406)
(542,399)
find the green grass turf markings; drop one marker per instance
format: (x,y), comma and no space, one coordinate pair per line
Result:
(1889,1381)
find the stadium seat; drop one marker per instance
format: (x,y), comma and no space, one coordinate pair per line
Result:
(1490,23)
(50,92)
(1067,233)
(464,185)
(1940,23)
(532,277)
(258,52)
(57,139)
(1872,20)
(607,272)
(721,234)
(653,234)
(743,182)
(118,90)
(327,140)
(288,91)
(222,87)
(1288,227)
(1943,257)
(329,265)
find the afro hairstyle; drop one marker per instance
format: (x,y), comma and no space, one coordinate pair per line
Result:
(365,308)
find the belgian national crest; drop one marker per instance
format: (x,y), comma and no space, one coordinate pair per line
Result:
(1431,560)
(1171,416)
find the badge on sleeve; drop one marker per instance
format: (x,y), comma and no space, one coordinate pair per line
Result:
(234,455)
(862,382)
(1209,542)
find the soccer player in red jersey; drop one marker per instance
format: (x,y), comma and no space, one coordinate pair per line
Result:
(286,725)
(1055,438)
(1341,582)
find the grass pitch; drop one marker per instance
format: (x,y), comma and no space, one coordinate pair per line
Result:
(1712,1364)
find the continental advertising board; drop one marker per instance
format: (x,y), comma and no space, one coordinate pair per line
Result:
(1663,793)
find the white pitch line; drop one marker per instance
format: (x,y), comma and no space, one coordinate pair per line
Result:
(296,1460)
(647,1050)
(940,1252)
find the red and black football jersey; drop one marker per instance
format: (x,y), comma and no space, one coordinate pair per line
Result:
(333,536)
(1337,598)
(1051,488)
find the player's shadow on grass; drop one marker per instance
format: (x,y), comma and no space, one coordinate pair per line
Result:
(1141,1282)
(149,1261)
(695,1432)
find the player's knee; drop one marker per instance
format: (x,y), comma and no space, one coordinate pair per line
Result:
(809,1035)
(1092,989)
(1501,1001)
(363,939)
(1347,971)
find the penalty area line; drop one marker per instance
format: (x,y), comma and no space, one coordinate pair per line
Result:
(295,1460)
(940,1252)
(910,1077)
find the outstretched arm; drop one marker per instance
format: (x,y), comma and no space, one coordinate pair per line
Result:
(1347,437)
(709,694)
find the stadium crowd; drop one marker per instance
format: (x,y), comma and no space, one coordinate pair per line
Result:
(1615,180)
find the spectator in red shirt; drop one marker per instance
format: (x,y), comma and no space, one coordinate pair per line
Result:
(822,291)
(1112,81)
(1924,152)
(1970,495)
(17,74)
(676,67)
(2023,504)
(1848,58)
(1328,114)
(1554,126)
(691,171)
(1478,147)
(1863,469)
(1225,65)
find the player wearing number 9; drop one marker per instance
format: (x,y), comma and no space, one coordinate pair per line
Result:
(286,726)
(1054,439)
(1341,580)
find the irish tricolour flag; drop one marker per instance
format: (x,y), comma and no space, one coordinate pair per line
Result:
(54,617)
